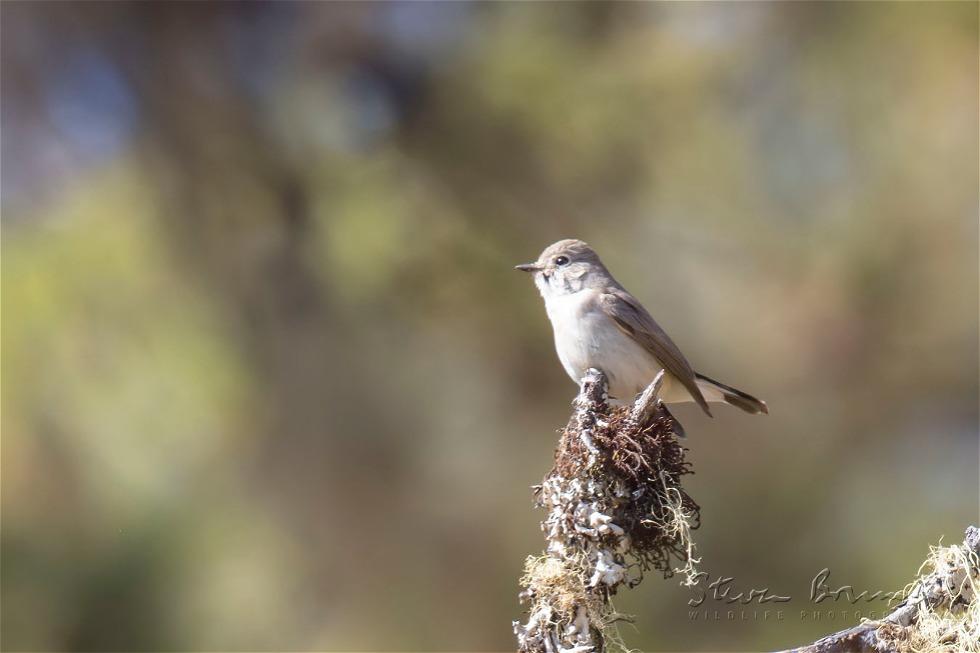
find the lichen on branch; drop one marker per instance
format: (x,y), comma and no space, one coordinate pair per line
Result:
(615,509)
(939,611)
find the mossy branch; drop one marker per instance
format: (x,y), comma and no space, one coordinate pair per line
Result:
(616,508)
(939,614)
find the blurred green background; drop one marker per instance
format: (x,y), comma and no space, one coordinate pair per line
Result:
(271,382)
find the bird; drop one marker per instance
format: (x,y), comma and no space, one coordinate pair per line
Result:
(598,324)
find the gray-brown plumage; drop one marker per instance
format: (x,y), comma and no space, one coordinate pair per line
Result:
(634,321)
(598,323)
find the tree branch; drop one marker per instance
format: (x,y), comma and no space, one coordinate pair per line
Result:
(949,590)
(615,509)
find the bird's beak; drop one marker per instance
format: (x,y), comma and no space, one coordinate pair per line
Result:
(529,267)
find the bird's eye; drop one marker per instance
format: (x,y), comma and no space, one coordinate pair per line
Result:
(561,260)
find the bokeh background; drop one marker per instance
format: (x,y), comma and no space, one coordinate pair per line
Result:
(271,382)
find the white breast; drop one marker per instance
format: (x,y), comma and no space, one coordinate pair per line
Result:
(586,337)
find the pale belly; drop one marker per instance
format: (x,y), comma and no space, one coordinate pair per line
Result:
(587,338)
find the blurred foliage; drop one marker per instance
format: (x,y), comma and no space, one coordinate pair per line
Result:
(272,384)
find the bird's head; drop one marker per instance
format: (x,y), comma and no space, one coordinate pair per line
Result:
(566,267)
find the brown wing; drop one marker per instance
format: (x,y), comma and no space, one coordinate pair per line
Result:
(634,320)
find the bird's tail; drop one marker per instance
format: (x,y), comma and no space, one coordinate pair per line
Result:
(715,391)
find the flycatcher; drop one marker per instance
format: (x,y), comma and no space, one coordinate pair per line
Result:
(599,324)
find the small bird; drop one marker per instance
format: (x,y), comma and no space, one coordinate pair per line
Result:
(597,323)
